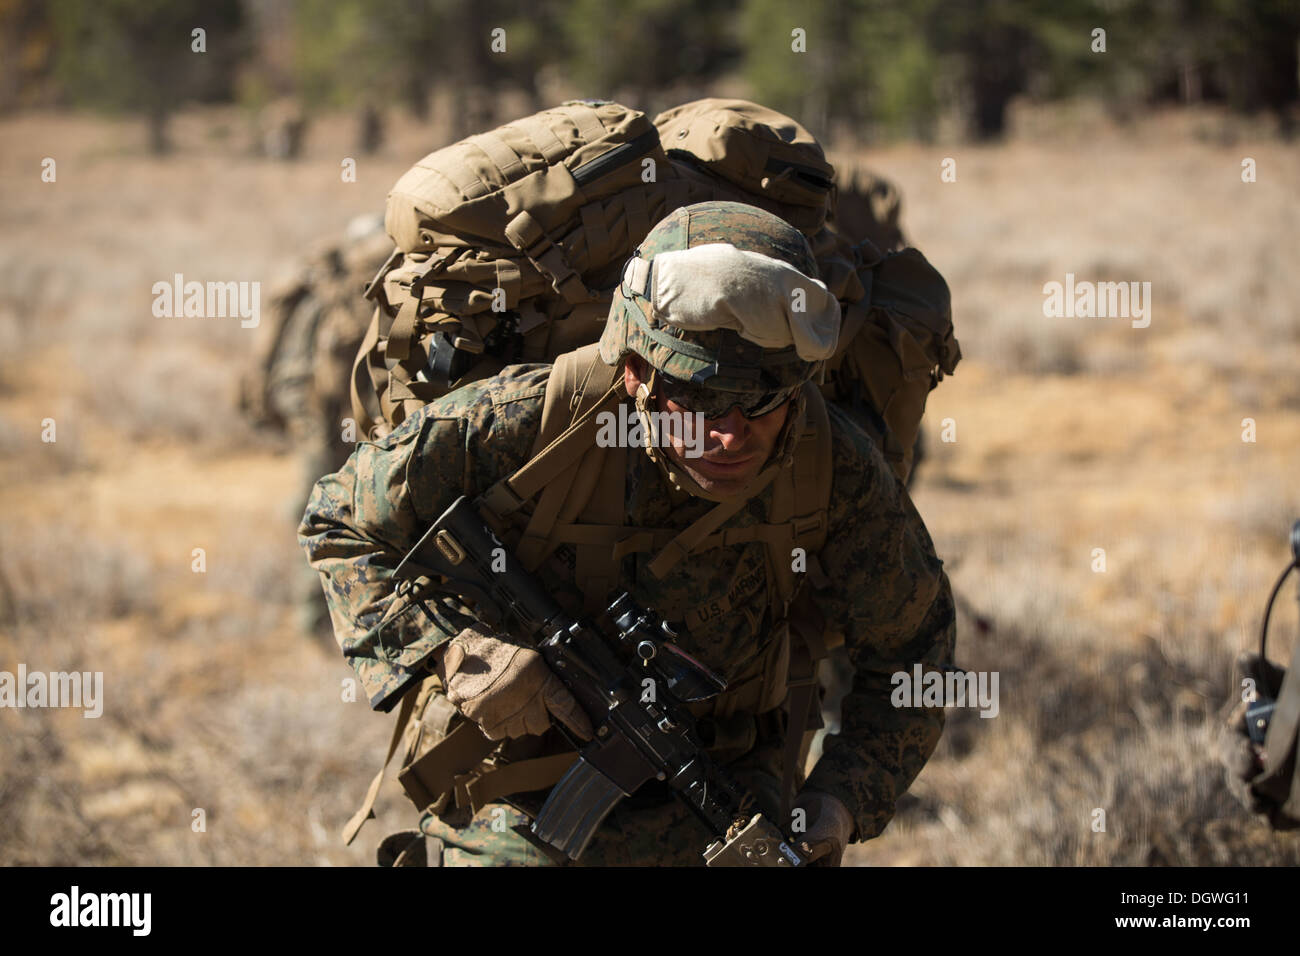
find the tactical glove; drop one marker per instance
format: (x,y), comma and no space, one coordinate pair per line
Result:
(830,827)
(1241,757)
(506,689)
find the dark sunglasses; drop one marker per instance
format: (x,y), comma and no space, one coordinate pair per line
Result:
(715,403)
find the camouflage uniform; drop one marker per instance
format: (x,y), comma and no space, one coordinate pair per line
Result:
(891,600)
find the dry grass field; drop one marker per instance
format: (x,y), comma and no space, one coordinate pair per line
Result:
(1071,434)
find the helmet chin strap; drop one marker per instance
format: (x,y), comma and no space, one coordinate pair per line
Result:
(782,455)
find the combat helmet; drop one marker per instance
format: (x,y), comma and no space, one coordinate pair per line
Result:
(724,296)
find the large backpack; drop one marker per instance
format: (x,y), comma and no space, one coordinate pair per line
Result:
(509,245)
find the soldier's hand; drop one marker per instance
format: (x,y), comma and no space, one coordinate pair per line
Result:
(830,827)
(506,689)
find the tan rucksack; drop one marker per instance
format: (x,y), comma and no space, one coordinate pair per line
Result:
(510,243)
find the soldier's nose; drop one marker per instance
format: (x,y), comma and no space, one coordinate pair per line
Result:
(731,429)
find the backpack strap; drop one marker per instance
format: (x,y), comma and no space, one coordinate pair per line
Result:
(365,401)
(367,808)
(527,235)
(809,480)
(581,386)
(695,534)
(805,485)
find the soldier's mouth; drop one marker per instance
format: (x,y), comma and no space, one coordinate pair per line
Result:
(723,468)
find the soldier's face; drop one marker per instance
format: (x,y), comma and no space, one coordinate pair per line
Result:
(735,448)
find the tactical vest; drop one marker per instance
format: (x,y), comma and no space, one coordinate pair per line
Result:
(571,492)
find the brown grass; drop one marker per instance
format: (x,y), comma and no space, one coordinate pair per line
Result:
(1071,435)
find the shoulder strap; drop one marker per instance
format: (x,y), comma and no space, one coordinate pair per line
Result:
(581,386)
(367,808)
(801,498)
(809,480)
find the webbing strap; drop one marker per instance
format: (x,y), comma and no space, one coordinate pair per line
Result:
(367,808)
(544,138)
(526,234)
(509,279)
(803,684)
(434,772)
(509,494)
(480,787)
(461,176)
(810,476)
(691,537)
(638,214)
(805,485)
(402,332)
(593,226)
(532,547)
(360,366)
(643,539)
(604,502)
(780,546)
(624,541)
(574,377)
(500,154)
(590,128)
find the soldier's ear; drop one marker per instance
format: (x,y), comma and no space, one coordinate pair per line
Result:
(633,370)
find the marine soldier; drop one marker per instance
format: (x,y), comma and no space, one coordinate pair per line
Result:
(720,321)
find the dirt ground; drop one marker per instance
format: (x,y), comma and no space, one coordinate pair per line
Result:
(1056,437)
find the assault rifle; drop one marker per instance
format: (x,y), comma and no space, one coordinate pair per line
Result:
(605,663)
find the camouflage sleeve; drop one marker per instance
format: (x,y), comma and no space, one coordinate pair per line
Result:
(362,520)
(890,596)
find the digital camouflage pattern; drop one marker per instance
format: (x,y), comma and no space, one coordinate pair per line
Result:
(663,833)
(890,596)
(747,228)
(666,835)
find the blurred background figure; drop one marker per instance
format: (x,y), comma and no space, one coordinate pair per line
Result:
(298,384)
(282,127)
